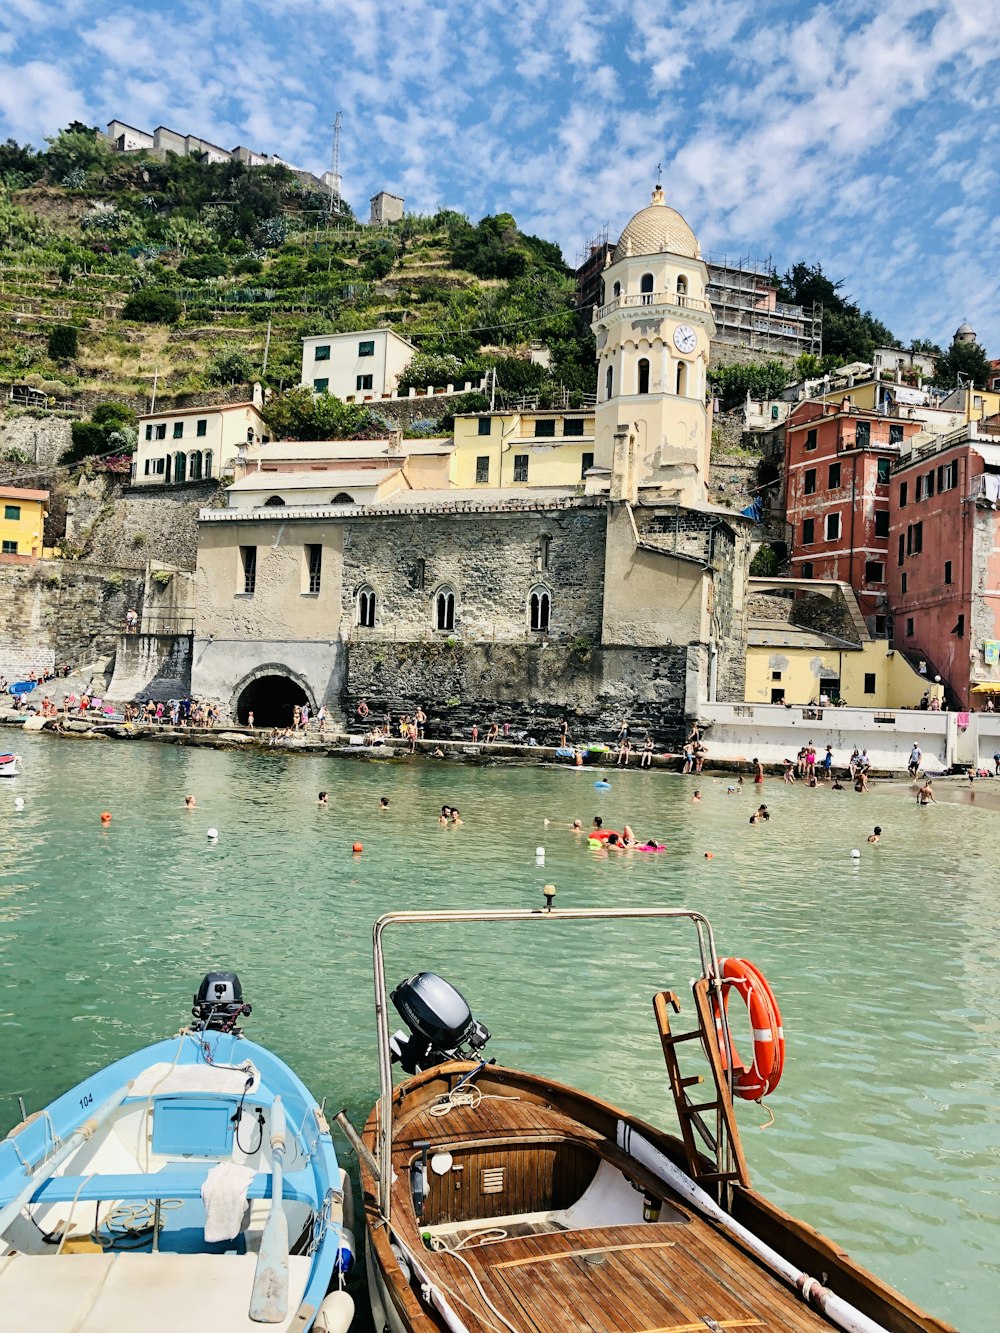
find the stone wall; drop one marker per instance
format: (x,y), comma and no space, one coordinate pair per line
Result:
(71,609)
(530,686)
(42,439)
(490,560)
(739,354)
(151,666)
(135,525)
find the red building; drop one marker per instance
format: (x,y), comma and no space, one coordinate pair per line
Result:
(838,461)
(944,567)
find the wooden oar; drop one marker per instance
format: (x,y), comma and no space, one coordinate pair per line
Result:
(269,1299)
(79,1136)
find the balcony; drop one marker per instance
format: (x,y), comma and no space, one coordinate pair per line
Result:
(676,300)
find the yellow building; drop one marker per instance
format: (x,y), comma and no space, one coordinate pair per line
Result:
(794,664)
(529,448)
(22,523)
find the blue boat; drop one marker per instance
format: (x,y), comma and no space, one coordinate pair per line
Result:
(193,1184)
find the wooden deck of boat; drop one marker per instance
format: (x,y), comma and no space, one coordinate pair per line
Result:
(681,1276)
(645,1278)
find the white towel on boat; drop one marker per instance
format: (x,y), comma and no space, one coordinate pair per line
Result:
(225,1196)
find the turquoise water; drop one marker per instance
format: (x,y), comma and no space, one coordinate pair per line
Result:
(887,1132)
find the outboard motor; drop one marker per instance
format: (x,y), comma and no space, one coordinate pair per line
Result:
(441,1024)
(219,1003)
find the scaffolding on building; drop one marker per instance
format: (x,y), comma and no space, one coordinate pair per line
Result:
(743,296)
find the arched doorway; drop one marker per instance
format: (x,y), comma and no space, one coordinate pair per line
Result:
(271,696)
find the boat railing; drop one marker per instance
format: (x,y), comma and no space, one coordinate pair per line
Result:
(550,916)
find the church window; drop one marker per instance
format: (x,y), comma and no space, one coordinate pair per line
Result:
(617,290)
(682,287)
(444,609)
(539,609)
(544,542)
(417,570)
(313,567)
(274,502)
(682,379)
(609,382)
(646,288)
(342,498)
(643,376)
(366,608)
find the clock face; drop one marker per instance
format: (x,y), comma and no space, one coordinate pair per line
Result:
(685,339)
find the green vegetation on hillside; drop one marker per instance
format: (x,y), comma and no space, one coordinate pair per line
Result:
(177,266)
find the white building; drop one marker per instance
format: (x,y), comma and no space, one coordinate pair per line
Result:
(904,360)
(358,366)
(192,443)
(127,139)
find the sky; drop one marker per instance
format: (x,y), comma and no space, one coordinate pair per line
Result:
(861,137)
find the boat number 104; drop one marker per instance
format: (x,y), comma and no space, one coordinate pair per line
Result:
(86,1101)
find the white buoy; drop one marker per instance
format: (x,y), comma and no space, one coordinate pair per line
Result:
(855,855)
(18,802)
(539,856)
(213,835)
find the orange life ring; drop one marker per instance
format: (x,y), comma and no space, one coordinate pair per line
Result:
(754,1081)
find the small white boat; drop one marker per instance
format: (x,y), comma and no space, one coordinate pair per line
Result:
(191,1185)
(10,765)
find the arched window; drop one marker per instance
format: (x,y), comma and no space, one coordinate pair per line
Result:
(539,609)
(643,376)
(194,465)
(208,462)
(609,382)
(646,288)
(342,498)
(682,287)
(366,608)
(682,379)
(444,609)
(274,502)
(179,462)
(544,542)
(617,290)
(603,298)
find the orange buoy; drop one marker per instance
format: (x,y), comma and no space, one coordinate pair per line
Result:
(105,816)
(762,1076)
(357,848)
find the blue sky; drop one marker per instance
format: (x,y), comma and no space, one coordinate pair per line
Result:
(864,137)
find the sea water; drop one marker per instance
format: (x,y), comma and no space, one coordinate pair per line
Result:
(886,1132)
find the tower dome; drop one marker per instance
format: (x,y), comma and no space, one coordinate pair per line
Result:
(656,230)
(965,333)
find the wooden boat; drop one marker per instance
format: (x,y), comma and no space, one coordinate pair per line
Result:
(499,1200)
(191,1185)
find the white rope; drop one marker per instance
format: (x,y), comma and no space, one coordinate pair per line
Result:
(72,1209)
(467,1096)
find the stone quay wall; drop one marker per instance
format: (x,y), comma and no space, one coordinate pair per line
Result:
(530,686)
(69,609)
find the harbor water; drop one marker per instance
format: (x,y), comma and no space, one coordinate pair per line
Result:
(887,1121)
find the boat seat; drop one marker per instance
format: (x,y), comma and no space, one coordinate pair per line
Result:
(159,1293)
(179,1180)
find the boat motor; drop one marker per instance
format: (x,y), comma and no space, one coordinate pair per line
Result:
(219,1003)
(440,1021)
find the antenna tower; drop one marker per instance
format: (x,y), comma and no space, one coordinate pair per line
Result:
(334,203)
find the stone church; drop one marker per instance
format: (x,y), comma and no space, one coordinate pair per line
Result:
(623,596)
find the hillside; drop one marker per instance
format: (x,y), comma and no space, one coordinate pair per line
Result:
(174,268)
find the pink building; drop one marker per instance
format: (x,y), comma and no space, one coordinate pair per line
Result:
(944,567)
(838,460)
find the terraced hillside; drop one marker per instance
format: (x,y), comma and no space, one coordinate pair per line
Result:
(175,269)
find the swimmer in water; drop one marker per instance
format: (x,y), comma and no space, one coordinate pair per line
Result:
(628,837)
(875,834)
(838,786)
(456,818)
(189,803)
(445,814)
(925,796)
(383,803)
(598,823)
(321,799)
(577,826)
(696,797)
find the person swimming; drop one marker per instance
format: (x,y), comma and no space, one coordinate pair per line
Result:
(577,826)
(628,837)
(445,816)
(189,803)
(322,799)
(456,818)
(383,803)
(875,834)
(696,797)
